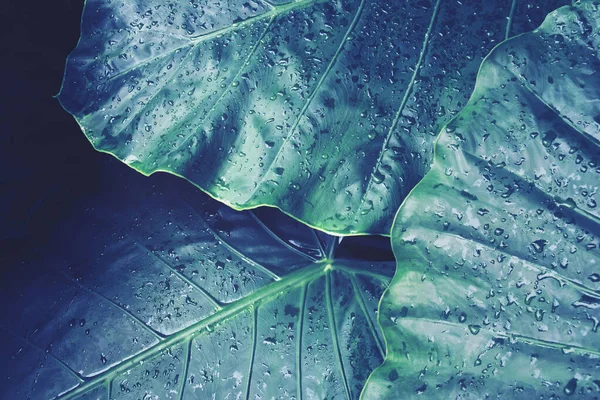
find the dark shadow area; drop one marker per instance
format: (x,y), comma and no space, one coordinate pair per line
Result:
(368,248)
(41,146)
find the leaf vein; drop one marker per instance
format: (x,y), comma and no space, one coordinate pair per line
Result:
(510,19)
(227,312)
(49,353)
(235,251)
(363,307)
(226,90)
(334,335)
(194,40)
(299,339)
(311,96)
(402,105)
(253,351)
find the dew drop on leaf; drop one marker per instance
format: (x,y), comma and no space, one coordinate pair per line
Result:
(538,245)
(474,329)
(571,387)
(378,177)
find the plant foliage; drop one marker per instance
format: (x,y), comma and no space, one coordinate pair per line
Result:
(497,289)
(325,109)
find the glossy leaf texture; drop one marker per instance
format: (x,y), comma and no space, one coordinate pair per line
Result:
(325,109)
(497,288)
(151,289)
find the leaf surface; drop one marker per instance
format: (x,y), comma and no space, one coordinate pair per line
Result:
(497,286)
(325,109)
(151,289)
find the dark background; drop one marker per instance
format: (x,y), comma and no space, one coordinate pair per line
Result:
(42,150)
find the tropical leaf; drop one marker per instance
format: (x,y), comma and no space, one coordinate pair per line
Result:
(325,109)
(497,286)
(151,289)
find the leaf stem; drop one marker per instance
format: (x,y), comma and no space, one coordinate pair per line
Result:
(334,335)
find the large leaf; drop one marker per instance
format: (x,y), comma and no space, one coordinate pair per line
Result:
(497,289)
(325,109)
(150,289)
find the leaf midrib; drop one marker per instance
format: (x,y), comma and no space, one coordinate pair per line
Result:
(292,280)
(299,278)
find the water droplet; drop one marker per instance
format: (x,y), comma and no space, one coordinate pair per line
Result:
(474,329)
(548,138)
(421,389)
(539,315)
(188,300)
(571,387)
(270,340)
(591,203)
(538,245)
(378,177)
(393,375)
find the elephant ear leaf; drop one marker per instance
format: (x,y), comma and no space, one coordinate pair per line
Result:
(325,109)
(497,289)
(151,289)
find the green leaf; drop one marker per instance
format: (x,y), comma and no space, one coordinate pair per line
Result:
(325,109)
(150,288)
(497,287)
